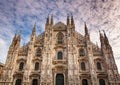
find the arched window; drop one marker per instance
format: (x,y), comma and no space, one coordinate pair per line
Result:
(83,66)
(18,82)
(99,66)
(36,66)
(60,38)
(38,52)
(101,82)
(35,82)
(84,82)
(21,66)
(59,55)
(81,52)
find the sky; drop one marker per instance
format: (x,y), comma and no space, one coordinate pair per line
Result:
(16,15)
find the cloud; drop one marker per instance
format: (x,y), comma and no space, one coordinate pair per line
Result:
(16,15)
(3,49)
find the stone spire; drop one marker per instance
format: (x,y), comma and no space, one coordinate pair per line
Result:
(107,44)
(19,36)
(106,39)
(101,37)
(15,45)
(86,29)
(47,20)
(72,20)
(52,20)
(33,37)
(34,29)
(19,39)
(86,33)
(68,20)
(14,40)
(102,40)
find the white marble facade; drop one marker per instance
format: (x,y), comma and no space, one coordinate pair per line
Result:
(60,56)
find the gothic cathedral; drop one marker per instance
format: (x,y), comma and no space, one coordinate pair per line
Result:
(60,56)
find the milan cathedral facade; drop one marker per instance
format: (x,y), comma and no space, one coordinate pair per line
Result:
(60,56)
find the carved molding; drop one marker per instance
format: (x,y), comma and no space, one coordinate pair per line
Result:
(37,59)
(60,62)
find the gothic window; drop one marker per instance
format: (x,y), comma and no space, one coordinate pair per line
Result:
(36,66)
(60,38)
(18,82)
(99,66)
(101,82)
(83,66)
(84,82)
(60,55)
(21,66)
(38,52)
(81,52)
(34,82)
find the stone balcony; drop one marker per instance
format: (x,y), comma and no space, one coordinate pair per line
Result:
(17,71)
(59,62)
(102,75)
(21,58)
(35,71)
(37,58)
(82,58)
(84,72)
(100,71)
(59,46)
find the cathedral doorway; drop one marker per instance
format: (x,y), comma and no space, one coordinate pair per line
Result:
(59,79)
(101,82)
(84,82)
(18,82)
(35,82)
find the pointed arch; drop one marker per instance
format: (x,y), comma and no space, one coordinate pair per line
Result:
(34,82)
(81,52)
(59,79)
(101,82)
(83,66)
(18,82)
(60,55)
(60,37)
(84,82)
(37,66)
(99,67)
(21,66)
(38,52)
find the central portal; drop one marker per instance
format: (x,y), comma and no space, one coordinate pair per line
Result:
(59,79)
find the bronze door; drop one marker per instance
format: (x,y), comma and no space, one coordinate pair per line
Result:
(59,79)
(18,82)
